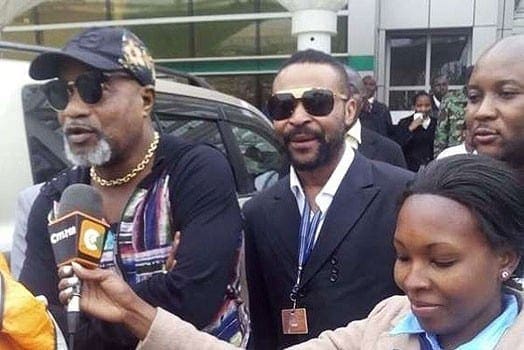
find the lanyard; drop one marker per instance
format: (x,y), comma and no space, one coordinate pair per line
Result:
(308,228)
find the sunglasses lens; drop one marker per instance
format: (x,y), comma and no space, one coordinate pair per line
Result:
(89,86)
(281,106)
(318,102)
(57,94)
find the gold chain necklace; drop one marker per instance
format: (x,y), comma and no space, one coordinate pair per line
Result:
(125,179)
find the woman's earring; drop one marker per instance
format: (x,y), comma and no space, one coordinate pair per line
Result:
(505,275)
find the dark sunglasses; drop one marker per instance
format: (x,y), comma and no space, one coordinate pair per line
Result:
(316,101)
(90,87)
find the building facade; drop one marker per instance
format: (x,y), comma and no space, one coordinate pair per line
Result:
(237,45)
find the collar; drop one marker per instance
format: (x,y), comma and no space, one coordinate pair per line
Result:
(354,135)
(371,100)
(326,194)
(436,101)
(486,339)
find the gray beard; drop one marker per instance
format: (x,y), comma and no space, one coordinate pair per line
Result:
(99,155)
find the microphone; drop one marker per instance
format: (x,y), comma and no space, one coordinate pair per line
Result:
(78,234)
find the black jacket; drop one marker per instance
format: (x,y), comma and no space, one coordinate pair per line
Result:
(377,119)
(351,266)
(377,147)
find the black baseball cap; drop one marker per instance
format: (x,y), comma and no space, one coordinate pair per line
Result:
(106,49)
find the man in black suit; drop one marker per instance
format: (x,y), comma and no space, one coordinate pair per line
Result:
(319,242)
(377,147)
(375,115)
(368,142)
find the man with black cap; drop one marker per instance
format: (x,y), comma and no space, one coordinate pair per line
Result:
(151,186)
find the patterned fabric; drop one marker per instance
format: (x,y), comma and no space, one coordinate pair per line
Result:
(450,126)
(143,242)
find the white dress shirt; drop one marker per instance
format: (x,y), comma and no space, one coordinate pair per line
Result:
(325,196)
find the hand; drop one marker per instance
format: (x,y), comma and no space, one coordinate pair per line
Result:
(68,285)
(108,297)
(171,261)
(415,124)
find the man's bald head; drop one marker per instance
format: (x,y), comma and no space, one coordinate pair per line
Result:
(510,49)
(495,110)
(357,90)
(370,85)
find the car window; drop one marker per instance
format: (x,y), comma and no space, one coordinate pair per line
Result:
(189,118)
(44,135)
(262,159)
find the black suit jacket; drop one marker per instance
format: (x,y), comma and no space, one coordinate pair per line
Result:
(351,266)
(417,145)
(377,147)
(377,119)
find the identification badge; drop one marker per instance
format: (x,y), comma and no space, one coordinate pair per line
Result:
(294,321)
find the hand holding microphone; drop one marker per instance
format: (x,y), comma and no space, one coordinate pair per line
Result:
(77,234)
(106,296)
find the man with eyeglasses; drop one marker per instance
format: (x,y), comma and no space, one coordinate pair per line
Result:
(152,186)
(319,242)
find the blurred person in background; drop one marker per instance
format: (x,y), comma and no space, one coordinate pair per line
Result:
(368,142)
(451,120)
(416,133)
(439,89)
(375,115)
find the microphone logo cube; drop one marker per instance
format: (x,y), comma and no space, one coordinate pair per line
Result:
(91,240)
(77,237)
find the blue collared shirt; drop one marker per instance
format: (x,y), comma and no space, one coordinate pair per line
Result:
(485,340)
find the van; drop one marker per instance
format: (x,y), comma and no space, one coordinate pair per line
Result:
(31,149)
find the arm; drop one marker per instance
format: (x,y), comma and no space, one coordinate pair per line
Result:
(362,334)
(206,211)
(390,128)
(441,133)
(107,297)
(170,332)
(403,134)
(24,202)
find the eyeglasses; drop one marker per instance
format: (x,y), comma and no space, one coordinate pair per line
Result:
(316,101)
(90,87)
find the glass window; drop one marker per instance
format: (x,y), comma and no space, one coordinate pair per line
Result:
(401,100)
(196,130)
(126,9)
(233,38)
(166,40)
(241,86)
(220,7)
(192,119)
(339,42)
(415,59)
(449,56)
(408,60)
(254,89)
(276,38)
(262,159)
(271,6)
(44,135)
(53,12)
(58,38)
